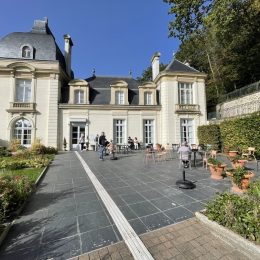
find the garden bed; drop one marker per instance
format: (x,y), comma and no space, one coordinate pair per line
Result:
(34,176)
(245,246)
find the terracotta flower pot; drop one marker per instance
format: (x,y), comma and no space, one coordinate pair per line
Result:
(244,182)
(216,171)
(232,153)
(239,163)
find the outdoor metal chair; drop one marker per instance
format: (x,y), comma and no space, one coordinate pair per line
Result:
(185,157)
(207,155)
(249,153)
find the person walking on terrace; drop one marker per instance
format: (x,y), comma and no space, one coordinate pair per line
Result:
(81,141)
(102,145)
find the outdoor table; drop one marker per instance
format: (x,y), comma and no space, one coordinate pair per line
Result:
(194,151)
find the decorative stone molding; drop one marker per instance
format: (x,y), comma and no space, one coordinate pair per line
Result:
(147,87)
(79,84)
(119,85)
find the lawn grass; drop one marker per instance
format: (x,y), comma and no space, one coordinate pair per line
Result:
(31,173)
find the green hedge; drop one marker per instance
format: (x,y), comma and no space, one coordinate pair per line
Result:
(209,134)
(241,132)
(233,133)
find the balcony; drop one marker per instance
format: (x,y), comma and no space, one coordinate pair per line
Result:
(21,107)
(187,109)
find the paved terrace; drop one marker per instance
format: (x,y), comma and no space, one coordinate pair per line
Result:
(66,217)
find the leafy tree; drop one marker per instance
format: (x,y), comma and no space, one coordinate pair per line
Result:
(147,74)
(221,38)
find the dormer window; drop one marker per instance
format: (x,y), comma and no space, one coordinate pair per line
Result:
(79,96)
(147,94)
(79,92)
(119,93)
(120,97)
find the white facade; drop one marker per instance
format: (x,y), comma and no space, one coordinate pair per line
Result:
(39,99)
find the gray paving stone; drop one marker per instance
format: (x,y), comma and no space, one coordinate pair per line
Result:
(132,198)
(61,249)
(143,208)
(138,226)
(178,214)
(93,221)
(156,221)
(98,238)
(89,207)
(58,228)
(164,203)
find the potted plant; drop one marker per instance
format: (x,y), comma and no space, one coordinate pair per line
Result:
(232,152)
(240,178)
(216,168)
(238,161)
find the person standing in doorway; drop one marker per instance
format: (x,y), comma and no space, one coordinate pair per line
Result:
(96,142)
(102,146)
(81,141)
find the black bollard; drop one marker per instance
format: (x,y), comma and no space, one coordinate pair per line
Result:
(184,184)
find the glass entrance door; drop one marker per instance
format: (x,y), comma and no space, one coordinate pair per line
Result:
(187,131)
(76,131)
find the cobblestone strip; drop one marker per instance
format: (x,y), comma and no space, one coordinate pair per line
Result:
(184,241)
(134,243)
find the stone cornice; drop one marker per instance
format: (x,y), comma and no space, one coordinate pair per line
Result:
(109,107)
(179,74)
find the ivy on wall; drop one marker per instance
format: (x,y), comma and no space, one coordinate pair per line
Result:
(233,133)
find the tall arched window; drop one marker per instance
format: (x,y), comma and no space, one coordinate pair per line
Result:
(79,96)
(120,97)
(148,98)
(22,131)
(26,52)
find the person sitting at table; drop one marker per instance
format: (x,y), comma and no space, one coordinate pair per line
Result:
(136,143)
(184,152)
(130,143)
(110,147)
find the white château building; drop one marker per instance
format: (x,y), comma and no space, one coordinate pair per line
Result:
(40,98)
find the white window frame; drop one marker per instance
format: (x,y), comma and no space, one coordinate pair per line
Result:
(148,131)
(79,96)
(26,52)
(26,87)
(185,93)
(119,131)
(187,130)
(23,131)
(148,98)
(119,97)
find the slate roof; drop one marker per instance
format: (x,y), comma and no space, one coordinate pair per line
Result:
(100,90)
(40,38)
(177,66)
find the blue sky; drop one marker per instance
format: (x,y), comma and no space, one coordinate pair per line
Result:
(112,36)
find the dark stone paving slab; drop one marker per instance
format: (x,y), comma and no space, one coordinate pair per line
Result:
(66,218)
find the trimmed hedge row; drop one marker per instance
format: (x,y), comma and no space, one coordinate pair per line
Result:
(209,134)
(233,133)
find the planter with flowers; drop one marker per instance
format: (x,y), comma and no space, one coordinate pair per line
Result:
(216,168)
(238,161)
(240,178)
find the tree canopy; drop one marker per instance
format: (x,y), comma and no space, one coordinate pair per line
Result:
(147,74)
(221,38)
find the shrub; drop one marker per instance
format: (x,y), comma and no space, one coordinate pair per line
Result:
(12,164)
(51,150)
(13,192)
(239,213)
(37,147)
(209,134)
(4,152)
(15,145)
